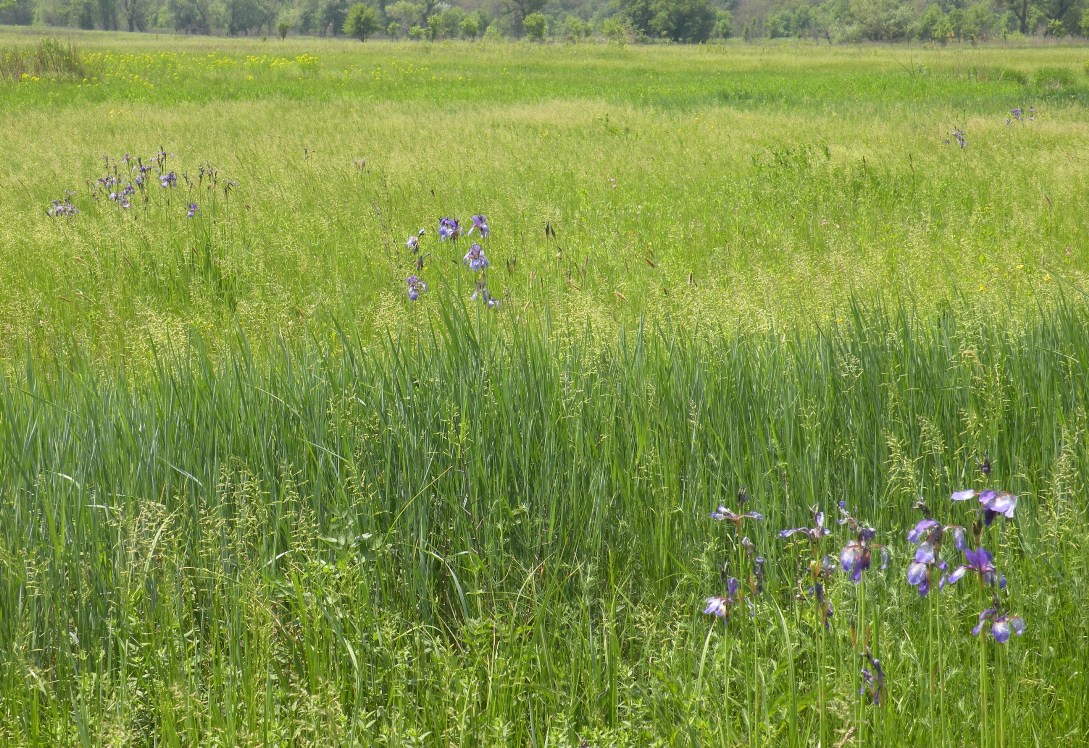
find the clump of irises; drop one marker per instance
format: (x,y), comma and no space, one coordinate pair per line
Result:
(855,556)
(1017,114)
(873,679)
(959,137)
(821,567)
(929,534)
(747,563)
(62,208)
(450,229)
(124,184)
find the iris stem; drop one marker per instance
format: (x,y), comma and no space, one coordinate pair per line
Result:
(931,670)
(982,674)
(1000,687)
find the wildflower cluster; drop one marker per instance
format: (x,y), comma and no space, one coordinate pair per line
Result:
(451,230)
(873,679)
(63,207)
(855,556)
(928,536)
(130,181)
(749,565)
(821,567)
(1017,114)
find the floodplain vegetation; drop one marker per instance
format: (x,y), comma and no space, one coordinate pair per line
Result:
(553,395)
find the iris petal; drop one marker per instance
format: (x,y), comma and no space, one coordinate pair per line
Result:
(955,576)
(919,531)
(916,573)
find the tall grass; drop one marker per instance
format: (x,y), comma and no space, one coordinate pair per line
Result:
(704,185)
(49,58)
(496,534)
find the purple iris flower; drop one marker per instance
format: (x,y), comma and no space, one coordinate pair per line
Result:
(1016,112)
(758,574)
(928,535)
(873,680)
(415,287)
(480,223)
(855,556)
(449,228)
(814,533)
(981,562)
(484,295)
(413,242)
(722,605)
(993,502)
(62,209)
(855,559)
(1002,625)
(724,514)
(958,135)
(192,211)
(475,258)
(170,179)
(827,567)
(825,607)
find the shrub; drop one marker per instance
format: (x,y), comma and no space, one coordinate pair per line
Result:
(362,21)
(536,27)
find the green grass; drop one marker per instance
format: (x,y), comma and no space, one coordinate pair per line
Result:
(480,539)
(712,186)
(252,495)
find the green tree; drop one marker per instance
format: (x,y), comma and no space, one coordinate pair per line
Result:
(677,20)
(575,29)
(724,25)
(519,10)
(470,26)
(17,12)
(933,25)
(978,22)
(615,30)
(135,14)
(405,13)
(535,26)
(361,21)
(447,22)
(333,14)
(881,20)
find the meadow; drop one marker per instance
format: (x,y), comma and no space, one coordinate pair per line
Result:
(251,493)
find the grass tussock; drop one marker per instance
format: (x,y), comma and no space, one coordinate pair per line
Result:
(50,58)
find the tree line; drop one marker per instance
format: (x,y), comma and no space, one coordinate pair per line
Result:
(691,21)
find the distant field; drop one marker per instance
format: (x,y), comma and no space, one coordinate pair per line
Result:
(251,494)
(710,186)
